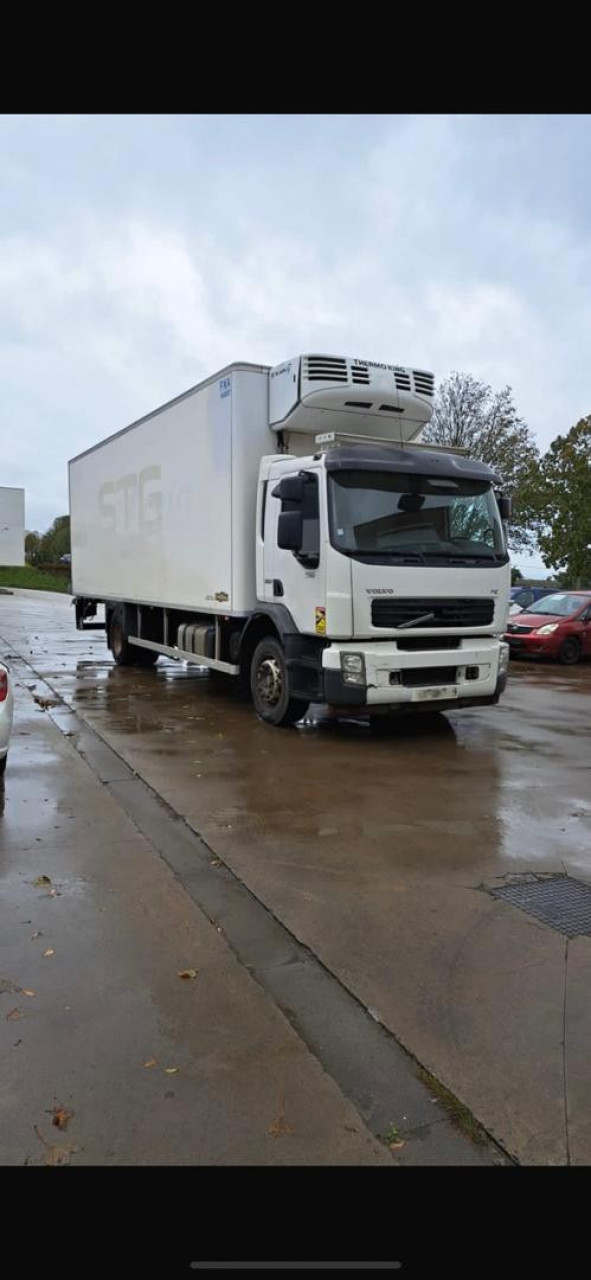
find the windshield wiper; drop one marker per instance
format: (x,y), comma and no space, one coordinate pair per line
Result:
(409,557)
(416,622)
(464,557)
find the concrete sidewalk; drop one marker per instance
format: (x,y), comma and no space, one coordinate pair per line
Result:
(94,1018)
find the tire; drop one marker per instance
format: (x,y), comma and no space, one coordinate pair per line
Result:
(124,653)
(3,765)
(269,685)
(118,643)
(570,651)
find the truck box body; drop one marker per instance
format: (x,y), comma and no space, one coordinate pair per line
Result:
(163,512)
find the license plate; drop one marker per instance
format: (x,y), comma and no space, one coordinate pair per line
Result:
(433,694)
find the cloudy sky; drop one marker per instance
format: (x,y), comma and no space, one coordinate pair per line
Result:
(139,254)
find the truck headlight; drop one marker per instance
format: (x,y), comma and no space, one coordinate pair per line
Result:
(353,668)
(504,657)
(548,629)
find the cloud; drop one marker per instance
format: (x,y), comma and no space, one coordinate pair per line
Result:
(138,255)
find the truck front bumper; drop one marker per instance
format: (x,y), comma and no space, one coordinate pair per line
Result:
(391,678)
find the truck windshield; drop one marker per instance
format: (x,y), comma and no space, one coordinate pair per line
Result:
(382,514)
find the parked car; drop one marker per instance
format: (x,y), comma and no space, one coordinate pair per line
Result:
(523,597)
(6,708)
(557,627)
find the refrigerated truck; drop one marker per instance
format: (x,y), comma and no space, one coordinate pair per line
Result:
(286,526)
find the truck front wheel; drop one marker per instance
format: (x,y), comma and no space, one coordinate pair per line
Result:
(269,683)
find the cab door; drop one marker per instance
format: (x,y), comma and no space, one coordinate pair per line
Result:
(297,578)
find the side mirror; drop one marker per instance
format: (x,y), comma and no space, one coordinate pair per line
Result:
(505,507)
(290,489)
(290,530)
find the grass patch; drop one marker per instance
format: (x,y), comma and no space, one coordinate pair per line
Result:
(33,579)
(455,1109)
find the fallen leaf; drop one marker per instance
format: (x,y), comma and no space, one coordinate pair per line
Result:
(36,935)
(27,991)
(50,952)
(41,880)
(13,1015)
(151,1063)
(279,1128)
(171,1071)
(395,1146)
(44,703)
(52,893)
(188,973)
(61,1117)
(7,986)
(55,1155)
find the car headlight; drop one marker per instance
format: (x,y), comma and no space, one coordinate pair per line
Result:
(353,668)
(548,629)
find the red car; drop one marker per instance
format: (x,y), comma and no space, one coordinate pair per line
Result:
(559,626)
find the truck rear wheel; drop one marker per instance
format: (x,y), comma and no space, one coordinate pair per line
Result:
(124,653)
(269,684)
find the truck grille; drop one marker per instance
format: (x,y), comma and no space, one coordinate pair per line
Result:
(447,613)
(421,676)
(402,381)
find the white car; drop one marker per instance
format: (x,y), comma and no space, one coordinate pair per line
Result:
(6,708)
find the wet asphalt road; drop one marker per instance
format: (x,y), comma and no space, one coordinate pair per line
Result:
(377,854)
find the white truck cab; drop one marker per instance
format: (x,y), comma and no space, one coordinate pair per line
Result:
(396,560)
(347,563)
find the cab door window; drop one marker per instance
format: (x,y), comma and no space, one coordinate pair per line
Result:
(310,552)
(299,496)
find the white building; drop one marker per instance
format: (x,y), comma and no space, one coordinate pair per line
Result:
(12,526)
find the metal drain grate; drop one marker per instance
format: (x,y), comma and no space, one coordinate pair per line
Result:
(558,901)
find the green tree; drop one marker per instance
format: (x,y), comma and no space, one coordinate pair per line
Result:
(56,542)
(564,500)
(32,546)
(516,576)
(469,414)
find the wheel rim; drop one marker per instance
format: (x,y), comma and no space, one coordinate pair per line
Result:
(269,682)
(570,650)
